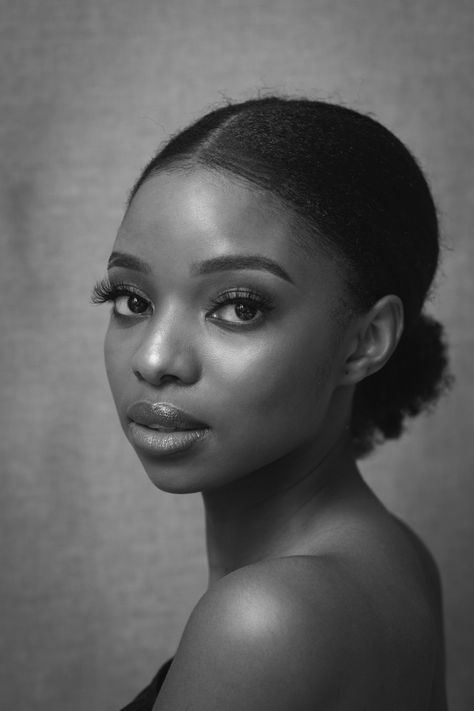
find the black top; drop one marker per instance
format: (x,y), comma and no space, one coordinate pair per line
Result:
(145,700)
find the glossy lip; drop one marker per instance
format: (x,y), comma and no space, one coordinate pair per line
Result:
(163,416)
(159,443)
(159,428)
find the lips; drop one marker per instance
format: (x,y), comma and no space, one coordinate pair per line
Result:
(163,416)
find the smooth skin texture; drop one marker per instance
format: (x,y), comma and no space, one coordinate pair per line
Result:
(317,597)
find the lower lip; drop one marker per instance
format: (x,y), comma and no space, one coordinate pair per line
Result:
(159,442)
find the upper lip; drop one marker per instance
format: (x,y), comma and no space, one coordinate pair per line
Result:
(162,415)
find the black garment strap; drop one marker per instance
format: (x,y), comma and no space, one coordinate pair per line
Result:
(146,698)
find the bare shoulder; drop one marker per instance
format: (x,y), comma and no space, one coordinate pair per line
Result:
(283,633)
(427,563)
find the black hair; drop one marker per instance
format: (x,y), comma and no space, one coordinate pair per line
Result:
(356,189)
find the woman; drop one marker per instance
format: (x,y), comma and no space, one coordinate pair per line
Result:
(267,283)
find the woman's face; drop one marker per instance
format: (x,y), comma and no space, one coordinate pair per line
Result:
(217,312)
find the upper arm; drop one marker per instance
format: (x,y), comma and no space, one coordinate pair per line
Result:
(253,643)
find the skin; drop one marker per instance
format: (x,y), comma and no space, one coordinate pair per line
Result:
(317,597)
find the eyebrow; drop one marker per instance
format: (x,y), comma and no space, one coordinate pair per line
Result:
(239,262)
(231,262)
(128,261)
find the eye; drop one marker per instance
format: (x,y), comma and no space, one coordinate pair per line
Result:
(127,302)
(240,308)
(130,304)
(237,312)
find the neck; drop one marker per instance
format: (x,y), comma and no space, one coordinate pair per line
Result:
(279,510)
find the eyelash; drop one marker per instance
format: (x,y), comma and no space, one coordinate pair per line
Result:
(244,296)
(105,291)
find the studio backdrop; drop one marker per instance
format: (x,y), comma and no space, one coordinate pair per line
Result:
(99,569)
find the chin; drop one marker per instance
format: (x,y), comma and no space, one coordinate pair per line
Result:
(180,474)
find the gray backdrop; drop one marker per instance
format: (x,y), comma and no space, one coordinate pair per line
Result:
(100,570)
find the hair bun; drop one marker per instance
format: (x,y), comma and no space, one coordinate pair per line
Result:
(410,382)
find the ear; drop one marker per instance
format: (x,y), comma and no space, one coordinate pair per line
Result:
(376,337)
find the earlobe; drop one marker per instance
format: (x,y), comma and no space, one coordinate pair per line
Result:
(377,336)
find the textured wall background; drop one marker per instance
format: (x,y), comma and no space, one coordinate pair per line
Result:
(100,571)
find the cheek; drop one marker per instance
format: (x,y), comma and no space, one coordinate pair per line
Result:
(274,385)
(116,365)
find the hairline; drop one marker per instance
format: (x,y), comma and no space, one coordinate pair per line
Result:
(304,236)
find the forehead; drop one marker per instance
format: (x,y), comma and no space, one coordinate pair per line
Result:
(179,217)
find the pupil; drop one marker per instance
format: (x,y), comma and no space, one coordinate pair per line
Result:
(135,304)
(244,312)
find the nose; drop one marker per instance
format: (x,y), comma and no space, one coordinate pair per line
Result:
(166,352)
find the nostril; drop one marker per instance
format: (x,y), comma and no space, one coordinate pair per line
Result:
(137,374)
(168,378)
(157,380)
